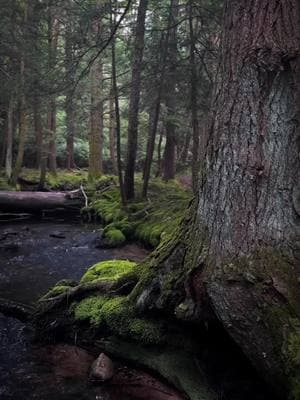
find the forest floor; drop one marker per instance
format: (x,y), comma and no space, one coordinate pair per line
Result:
(143,220)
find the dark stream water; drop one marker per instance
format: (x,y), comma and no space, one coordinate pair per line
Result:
(33,257)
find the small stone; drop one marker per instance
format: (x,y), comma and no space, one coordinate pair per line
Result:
(102,369)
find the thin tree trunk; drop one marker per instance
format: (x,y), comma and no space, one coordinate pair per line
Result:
(96,113)
(112,132)
(23,126)
(70,124)
(96,131)
(38,128)
(159,157)
(70,104)
(170,148)
(134,101)
(117,107)
(186,147)
(194,100)
(9,139)
(53,32)
(154,117)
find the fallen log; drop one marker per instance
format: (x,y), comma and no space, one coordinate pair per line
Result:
(38,201)
(13,309)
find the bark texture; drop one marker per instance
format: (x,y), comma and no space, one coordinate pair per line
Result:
(249,191)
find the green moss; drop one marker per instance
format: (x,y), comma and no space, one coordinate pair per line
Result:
(113,237)
(118,316)
(4,185)
(56,291)
(89,309)
(109,271)
(147,221)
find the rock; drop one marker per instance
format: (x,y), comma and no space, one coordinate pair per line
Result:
(57,235)
(102,369)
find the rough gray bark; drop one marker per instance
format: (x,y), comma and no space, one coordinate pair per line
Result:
(248,196)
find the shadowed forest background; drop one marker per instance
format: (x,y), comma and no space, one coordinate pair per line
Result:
(101,85)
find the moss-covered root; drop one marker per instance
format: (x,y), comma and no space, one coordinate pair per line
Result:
(111,270)
(257,299)
(117,316)
(179,368)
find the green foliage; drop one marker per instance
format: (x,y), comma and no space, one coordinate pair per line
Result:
(4,185)
(56,291)
(111,270)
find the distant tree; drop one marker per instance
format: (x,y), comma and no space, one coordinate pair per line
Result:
(134,101)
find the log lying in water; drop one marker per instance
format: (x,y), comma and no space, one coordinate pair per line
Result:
(38,201)
(13,309)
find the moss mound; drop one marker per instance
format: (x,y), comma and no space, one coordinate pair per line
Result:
(118,316)
(148,221)
(114,237)
(111,270)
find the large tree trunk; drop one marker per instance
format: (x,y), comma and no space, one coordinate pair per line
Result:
(240,242)
(133,119)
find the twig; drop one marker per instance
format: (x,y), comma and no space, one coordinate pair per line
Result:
(85,196)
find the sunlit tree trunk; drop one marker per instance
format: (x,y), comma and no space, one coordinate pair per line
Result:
(134,101)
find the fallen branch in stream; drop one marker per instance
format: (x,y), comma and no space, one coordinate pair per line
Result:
(17,310)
